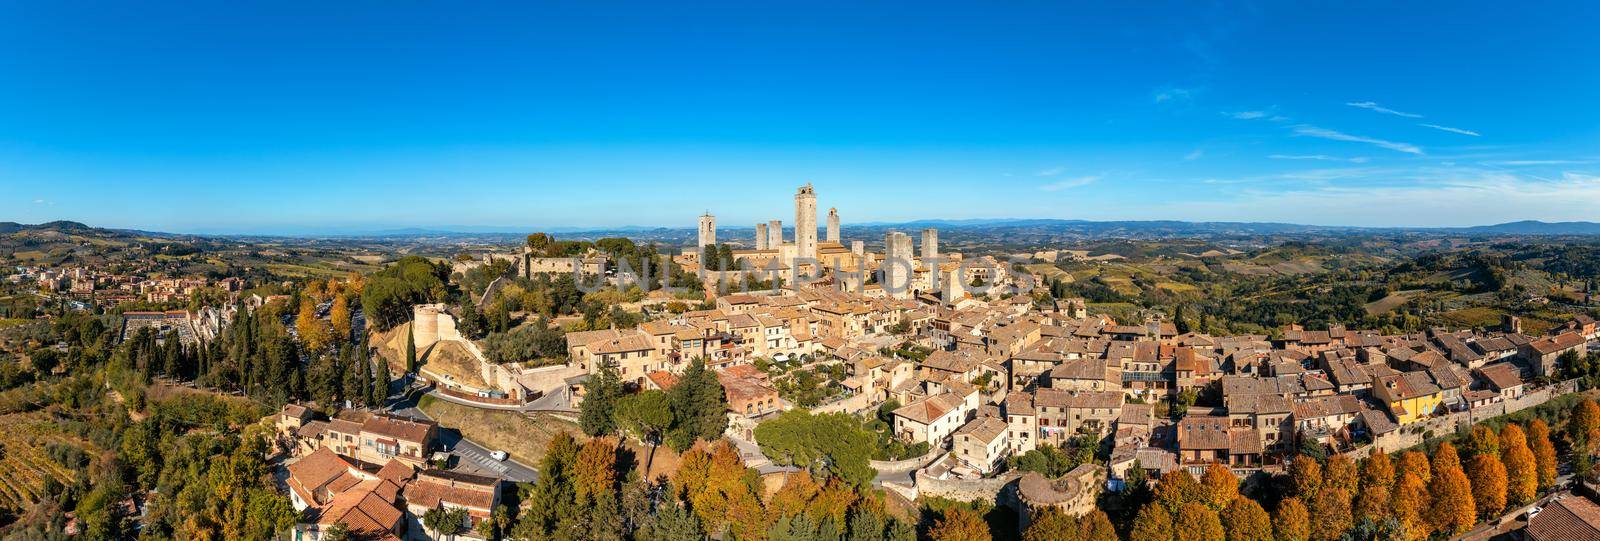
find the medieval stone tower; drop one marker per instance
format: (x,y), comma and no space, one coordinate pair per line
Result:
(930,244)
(775,234)
(708,229)
(833,225)
(805,223)
(761,236)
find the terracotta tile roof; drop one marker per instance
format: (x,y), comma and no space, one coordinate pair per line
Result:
(983,429)
(1570,518)
(313,472)
(434,488)
(927,410)
(409,430)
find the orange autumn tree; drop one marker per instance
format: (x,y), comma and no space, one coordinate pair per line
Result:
(1330,514)
(596,468)
(1544,451)
(1584,424)
(712,479)
(959,524)
(1522,473)
(1306,474)
(1096,526)
(1220,485)
(1198,522)
(1292,522)
(1340,474)
(1245,520)
(1409,503)
(1051,523)
(1176,489)
(1377,482)
(1488,483)
(1153,523)
(1414,462)
(1452,512)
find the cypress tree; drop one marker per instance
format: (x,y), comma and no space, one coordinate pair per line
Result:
(411,351)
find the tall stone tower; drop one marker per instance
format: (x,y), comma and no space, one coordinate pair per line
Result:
(761,236)
(930,245)
(805,223)
(858,247)
(897,264)
(775,235)
(708,229)
(833,225)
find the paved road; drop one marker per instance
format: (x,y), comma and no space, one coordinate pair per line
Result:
(469,457)
(1513,519)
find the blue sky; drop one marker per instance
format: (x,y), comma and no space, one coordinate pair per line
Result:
(342,116)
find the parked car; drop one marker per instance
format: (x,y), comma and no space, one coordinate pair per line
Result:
(498,455)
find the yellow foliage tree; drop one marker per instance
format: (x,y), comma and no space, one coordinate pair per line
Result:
(1377,482)
(1096,526)
(1292,522)
(1339,474)
(1052,524)
(1176,489)
(1414,462)
(1452,512)
(1153,523)
(1220,485)
(959,524)
(1544,451)
(1245,520)
(1410,500)
(1488,477)
(339,316)
(1198,522)
(1330,514)
(1306,474)
(1522,471)
(314,332)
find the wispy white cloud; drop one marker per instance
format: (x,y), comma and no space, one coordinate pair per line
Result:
(1539,162)
(1324,133)
(1069,183)
(38,201)
(1053,171)
(1172,94)
(1381,109)
(1450,129)
(1247,115)
(1319,157)
(1192,156)
(1449,198)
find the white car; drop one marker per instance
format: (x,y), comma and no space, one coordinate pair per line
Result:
(498,455)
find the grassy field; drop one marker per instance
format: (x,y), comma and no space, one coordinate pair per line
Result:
(6,323)
(1394,300)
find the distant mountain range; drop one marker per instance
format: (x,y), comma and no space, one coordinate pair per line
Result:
(1085,227)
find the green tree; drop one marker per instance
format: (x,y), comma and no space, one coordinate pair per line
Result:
(597,412)
(699,407)
(411,351)
(647,416)
(832,444)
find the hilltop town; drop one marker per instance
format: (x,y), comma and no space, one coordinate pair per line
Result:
(607,388)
